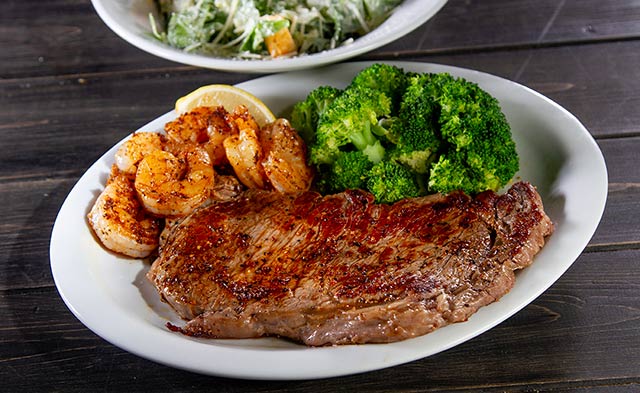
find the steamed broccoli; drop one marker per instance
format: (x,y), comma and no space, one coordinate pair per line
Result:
(389,130)
(305,114)
(389,182)
(346,124)
(419,137)
(350,170)
(390,80)
(403,134)
(478,152)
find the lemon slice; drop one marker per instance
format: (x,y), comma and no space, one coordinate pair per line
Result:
(227,96)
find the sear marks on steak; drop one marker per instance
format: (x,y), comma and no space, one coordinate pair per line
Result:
(340,269)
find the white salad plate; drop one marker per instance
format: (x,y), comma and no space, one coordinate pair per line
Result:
(129,19)
(111,296)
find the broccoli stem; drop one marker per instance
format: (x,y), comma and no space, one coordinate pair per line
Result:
(375,153)
(363,137)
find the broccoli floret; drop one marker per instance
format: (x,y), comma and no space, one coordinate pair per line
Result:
(305,114)
(389,182)
(404,134)
(418,160)
(478,152)
(419,136)
(346,124)
(390,80)
(350,170)
(451,173)
(389,129)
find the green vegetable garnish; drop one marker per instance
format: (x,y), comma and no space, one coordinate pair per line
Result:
(238,28)
(401,134)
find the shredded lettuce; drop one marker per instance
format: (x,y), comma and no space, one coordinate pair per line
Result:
(238,28)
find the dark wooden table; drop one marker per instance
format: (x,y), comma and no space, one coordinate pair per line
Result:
(70,88)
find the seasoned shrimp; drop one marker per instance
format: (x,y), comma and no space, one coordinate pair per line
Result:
(244,151)
(120,221)
(285,157)
(206,126)
(135,148)
(175,184)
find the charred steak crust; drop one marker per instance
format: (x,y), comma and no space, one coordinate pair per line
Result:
(340,269)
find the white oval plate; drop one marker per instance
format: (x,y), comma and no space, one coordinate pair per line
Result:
(111,296)
(130,20)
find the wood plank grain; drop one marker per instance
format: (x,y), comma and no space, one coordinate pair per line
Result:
(597,83)
(31,204)
(584,332)
(69,38)
(74,40)
(70,88)
(82,116)
(619,223)
(471,26)
(30,207)
(39,171)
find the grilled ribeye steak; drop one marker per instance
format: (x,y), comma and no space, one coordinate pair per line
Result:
(340,269)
